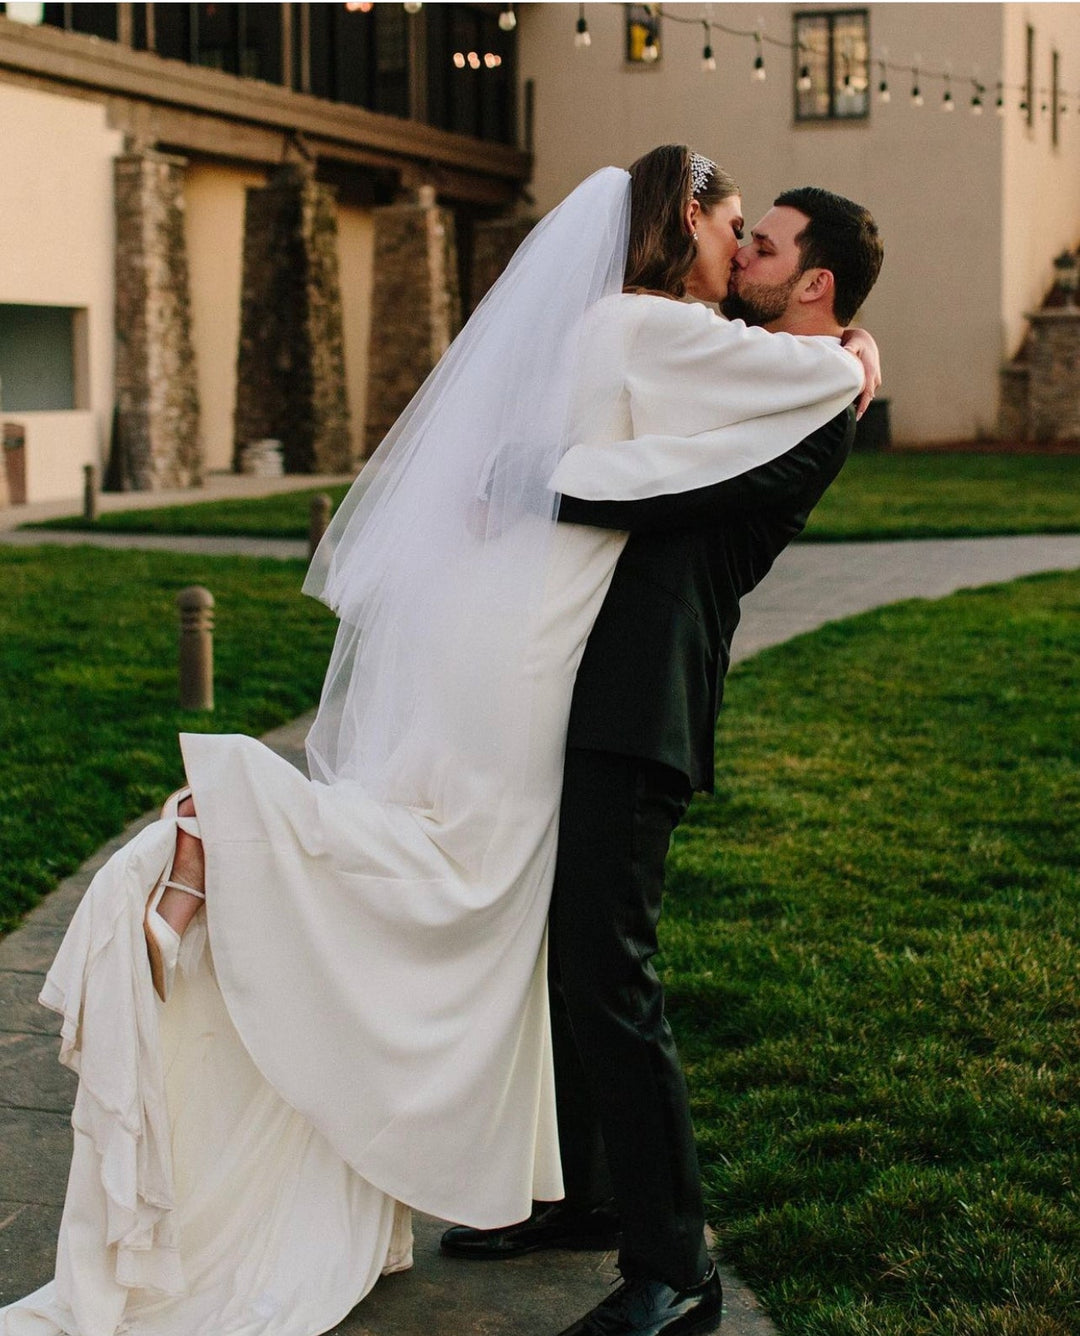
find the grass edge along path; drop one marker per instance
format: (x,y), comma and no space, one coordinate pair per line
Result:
(89,713)
(895,494)
(872,948)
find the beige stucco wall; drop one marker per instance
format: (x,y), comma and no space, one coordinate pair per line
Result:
(56,248)
(214,202)
(214,196)
(933,180)
(1041,195)
(356,250)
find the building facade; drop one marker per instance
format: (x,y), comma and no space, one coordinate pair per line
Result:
(973,208)
(184,184)
(230,222)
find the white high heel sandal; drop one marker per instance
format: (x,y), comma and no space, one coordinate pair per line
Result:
(162,939)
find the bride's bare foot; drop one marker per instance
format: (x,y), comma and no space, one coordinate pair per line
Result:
(176,907)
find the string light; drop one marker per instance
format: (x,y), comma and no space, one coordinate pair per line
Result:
(976,98)
(413,6)
(708,60)
(582,36)
(759,59)
(508,19)
(852,82)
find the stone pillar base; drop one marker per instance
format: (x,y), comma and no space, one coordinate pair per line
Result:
(1054,386)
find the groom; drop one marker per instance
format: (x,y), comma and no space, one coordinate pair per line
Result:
(640,742)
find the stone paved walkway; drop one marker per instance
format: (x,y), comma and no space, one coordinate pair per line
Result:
(536,1296)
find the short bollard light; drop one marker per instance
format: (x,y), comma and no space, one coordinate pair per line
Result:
(196,606)
(320,518)
(90,493)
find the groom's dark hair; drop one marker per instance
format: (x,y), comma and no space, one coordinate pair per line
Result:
(842,237)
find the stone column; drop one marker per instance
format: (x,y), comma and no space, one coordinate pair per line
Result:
(157,398)
(494,244)
(291,363)
(1013,408)
(415,304)
(1054,375)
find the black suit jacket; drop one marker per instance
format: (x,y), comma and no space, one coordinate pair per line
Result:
(652,676)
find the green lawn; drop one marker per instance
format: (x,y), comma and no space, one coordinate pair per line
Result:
(873,952)
(88,712)
(285,515)
(872,939)
(890,495)
(908,495)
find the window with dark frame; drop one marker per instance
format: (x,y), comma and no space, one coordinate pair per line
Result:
(832,65)
(642,35)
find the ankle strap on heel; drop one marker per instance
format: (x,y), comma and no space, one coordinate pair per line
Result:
(190,890)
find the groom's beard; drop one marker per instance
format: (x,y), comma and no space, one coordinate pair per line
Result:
(759,303)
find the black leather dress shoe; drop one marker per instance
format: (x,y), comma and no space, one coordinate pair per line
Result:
(641,1307)
(551,1225)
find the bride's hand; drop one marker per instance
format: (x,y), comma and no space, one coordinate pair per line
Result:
(862,345)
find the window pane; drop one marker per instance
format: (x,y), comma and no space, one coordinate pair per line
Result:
(852,64)
(260,48)
(218,38)
(642,33)
(836,60)
(172,31)
(37,358)
(812,33)
(391,60)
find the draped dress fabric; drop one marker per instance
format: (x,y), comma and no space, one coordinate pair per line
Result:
(359,1021)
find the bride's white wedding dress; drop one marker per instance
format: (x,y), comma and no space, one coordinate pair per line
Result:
(359,1017)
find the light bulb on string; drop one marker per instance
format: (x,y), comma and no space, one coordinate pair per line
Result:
(847,89)
(650,52)
(759,60)
(582,37)
(804,83)
(413,6)
(999,105)
(708,60)
(508,19)
(883,86)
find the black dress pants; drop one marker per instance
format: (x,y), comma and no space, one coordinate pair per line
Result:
(624,1114)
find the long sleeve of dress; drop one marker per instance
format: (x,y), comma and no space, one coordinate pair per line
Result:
(708,399)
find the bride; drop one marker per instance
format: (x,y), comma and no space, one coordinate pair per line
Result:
(356,1024)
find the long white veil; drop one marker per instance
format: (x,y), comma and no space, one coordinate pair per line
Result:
(435,560)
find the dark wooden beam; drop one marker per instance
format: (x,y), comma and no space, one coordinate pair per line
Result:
(190,109)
